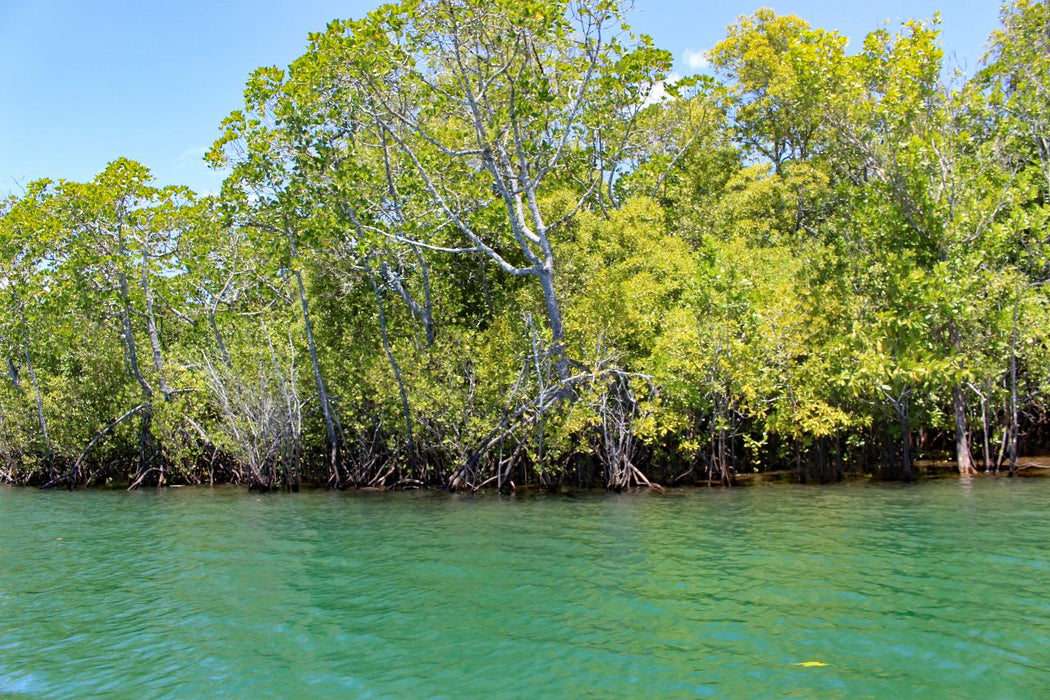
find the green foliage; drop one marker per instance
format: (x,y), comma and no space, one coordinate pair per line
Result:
(462,243)
(784,77)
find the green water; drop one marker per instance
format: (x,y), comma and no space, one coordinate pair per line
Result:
(938,588)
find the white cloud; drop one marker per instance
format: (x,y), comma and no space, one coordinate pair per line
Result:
(194,153)
(696,59)
(659,93)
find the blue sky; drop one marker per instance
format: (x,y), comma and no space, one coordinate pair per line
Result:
(84,82)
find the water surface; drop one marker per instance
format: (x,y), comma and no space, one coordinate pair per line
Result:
(900,590)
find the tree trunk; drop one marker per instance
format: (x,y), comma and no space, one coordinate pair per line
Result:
(963,456)
(12,372)
(428,304)
(147,449)
(129,335)
(550,299)
(218,338)
(48,454)
(151,328)
(822,459)
(333,456)
(405,408)
(839,469)
(984,430)
(905,421)
(1012,443)
(424,312)
(147,453)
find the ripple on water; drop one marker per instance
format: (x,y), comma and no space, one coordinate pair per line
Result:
(926,589)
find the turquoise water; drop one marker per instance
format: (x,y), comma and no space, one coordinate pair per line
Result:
(939,588)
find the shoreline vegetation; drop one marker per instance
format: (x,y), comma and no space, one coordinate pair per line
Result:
(466,244)
(925,471)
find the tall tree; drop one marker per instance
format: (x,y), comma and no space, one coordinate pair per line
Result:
(486,106)
(265,193)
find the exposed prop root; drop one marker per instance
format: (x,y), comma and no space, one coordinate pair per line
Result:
(142,476)
(639,477)
(71,478)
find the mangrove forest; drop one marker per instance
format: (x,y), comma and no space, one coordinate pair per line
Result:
(473,244)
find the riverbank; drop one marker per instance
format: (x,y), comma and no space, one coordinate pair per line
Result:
(1029,467)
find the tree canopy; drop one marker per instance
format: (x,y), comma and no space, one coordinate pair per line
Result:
(461,243)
